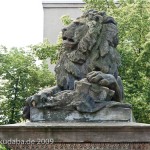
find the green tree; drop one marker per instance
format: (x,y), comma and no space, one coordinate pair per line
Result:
(46,50)
(133,18)
(20,78)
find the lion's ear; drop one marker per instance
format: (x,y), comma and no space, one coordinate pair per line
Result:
(109,20)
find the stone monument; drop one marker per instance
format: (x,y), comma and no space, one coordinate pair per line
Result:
(89,87)
(85,110)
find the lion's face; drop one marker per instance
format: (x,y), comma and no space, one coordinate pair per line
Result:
(83,30)
(72,34)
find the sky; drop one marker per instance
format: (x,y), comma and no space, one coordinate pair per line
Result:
(21,22)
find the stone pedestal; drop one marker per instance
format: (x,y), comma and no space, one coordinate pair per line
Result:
(76,136)
(107,114)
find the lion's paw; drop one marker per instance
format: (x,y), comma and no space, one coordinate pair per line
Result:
(101,78)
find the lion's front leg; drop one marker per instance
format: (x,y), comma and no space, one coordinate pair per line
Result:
(43,96)
(39,100)
(106,80)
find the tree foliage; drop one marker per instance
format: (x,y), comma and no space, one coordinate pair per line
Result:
(66,20)
(133,18)
(20,78)
(46,50)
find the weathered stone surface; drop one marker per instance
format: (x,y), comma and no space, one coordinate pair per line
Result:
(84,146)
(107,114)
(111,132)
(86,73)
(78,136)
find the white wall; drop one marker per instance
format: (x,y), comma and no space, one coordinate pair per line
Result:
(53,11)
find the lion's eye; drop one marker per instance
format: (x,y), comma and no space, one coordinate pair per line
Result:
(77,23)
(64,29)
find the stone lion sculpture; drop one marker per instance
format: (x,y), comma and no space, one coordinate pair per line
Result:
(87,70)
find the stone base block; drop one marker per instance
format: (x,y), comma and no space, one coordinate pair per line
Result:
(84,146)
(106,114)
(76,136)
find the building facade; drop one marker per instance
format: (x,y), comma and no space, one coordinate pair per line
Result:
(53,11)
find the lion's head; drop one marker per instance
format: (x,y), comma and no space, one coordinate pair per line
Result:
(87,28)
(93,36)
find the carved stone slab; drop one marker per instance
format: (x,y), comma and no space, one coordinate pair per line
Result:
(106,114)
